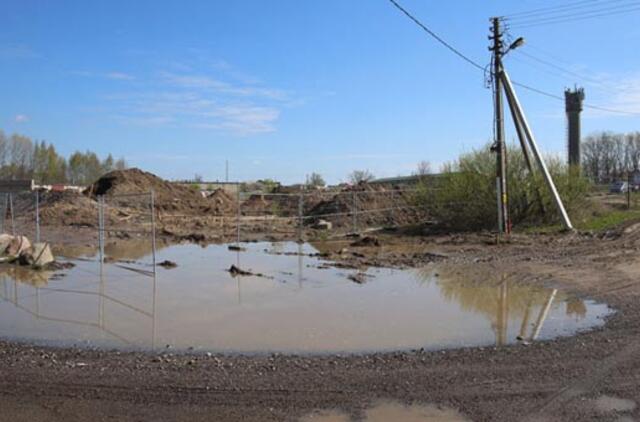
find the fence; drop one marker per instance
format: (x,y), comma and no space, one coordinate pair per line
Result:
(330,213)
(125,216)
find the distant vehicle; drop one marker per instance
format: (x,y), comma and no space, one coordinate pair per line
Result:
(618,187)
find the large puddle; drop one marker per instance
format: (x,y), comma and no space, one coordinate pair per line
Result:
(300,304)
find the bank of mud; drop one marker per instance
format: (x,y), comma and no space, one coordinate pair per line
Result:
(559,380)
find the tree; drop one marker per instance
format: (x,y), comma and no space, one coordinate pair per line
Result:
(121,164)
(607,156)
(423,168)
(360,176)
(315,180)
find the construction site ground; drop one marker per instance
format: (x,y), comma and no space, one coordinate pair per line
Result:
(590,376)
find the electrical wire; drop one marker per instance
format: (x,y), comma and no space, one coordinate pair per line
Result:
(566,11)
(561,69)
(593,107)
(436,36)
(550,9)
(577,17)
(484,68)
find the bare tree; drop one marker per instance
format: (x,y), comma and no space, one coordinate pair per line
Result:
(315,180)
(608,156)
(360,176)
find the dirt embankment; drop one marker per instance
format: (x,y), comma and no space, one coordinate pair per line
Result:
(374,205)
(592,376)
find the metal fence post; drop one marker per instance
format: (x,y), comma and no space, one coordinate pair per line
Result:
(300,217)
(238,219)
(355,212)
(13,223)
(100,229)
(152,201)
(5,203)
(37,216)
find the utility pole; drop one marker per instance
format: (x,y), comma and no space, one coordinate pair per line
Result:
(504,225)
(226,171)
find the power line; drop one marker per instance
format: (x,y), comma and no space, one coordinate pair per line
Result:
(576,17)
(555,11)
(560,68)
(437,37)
(549,9)
(557,97)
(483,68)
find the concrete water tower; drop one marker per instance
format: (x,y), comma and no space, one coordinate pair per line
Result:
(573,106)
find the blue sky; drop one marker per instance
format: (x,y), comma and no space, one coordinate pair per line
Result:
(286,87)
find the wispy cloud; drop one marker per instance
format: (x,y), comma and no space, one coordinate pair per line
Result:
(208,83)
(119,76)
(114,75)
(200,97)
(21,118)
(17,52)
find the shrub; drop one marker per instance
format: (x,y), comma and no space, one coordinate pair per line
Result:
(463,197)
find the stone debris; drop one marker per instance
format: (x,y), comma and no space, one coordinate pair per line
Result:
(19,249)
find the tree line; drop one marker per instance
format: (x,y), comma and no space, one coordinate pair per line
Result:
(23,158)
(608,156)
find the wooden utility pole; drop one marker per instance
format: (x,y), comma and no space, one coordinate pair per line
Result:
(504,225)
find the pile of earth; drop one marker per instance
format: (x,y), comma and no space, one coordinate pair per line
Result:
(130,188)
(283,202)
(375,205)
(223,202)
(59,208)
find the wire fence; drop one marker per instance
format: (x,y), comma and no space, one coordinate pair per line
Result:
(300,215)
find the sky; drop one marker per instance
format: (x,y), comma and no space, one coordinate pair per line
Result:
(284,88)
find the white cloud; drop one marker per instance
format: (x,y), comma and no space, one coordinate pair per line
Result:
(198,100)
(17,52)
(119,76)
(21,118)
(205,82)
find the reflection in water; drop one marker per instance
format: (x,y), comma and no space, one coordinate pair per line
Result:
(390,411)
(301,306)
(503,300)
(12,276)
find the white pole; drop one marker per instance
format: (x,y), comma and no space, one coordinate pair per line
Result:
(513,102)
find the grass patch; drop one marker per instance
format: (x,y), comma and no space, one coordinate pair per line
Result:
(609,220)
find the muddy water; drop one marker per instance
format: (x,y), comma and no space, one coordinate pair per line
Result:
(389,411)
(300,304)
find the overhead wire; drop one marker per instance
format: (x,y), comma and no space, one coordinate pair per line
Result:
(484,68)
(436,36)
(577,17)
(550,9)
(568,9)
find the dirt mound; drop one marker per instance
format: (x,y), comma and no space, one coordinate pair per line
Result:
(121,188)
(373,205)
(223,202)
(58,208)
(258,204)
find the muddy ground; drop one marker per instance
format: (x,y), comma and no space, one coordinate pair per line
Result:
(588,377)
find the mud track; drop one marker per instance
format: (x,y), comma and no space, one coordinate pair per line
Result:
(560,380)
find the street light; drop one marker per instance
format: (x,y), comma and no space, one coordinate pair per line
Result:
(519,42)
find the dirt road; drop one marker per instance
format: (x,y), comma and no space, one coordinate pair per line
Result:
(590,377)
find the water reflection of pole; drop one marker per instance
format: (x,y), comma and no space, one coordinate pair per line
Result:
(543,314)
(101,304)
(238,277)
(503,311)
(525,320)
(153,312)
(300,258)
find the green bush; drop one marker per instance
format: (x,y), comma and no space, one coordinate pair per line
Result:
(463,197)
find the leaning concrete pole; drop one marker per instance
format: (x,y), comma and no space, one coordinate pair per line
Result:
(517,108)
